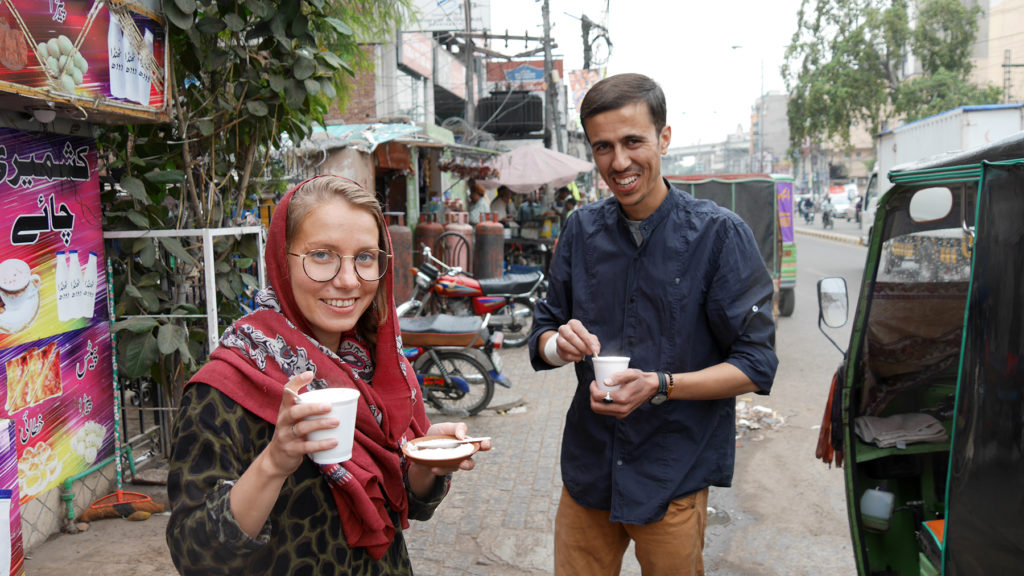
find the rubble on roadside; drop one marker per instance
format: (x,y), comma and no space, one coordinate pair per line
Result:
(753,419)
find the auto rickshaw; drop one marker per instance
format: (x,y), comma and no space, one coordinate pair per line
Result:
(926,413)
(765,202)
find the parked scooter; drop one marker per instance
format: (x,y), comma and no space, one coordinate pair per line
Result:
(456,361)
(443,289)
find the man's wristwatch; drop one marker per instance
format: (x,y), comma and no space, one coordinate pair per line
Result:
(662,394)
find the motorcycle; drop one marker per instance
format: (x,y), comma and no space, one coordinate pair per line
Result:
(827,218)
(443,289)
(456,361)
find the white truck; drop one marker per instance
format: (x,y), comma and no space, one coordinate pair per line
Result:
(952,131)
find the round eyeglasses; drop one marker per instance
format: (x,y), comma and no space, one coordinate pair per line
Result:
(324,265)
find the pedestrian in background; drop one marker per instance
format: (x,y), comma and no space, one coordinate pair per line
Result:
(677,284)
(502,204)
(478,205)
(245,499)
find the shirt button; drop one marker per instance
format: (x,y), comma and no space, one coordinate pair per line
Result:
(632,299)
(754,308)
(619,462)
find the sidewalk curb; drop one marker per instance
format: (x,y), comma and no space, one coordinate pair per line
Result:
(834,236)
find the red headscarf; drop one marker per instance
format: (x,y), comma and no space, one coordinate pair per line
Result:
(252,370)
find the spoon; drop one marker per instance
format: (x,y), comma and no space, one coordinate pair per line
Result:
(444,443)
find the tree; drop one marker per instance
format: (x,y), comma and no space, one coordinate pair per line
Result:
(846,64)
(246,77)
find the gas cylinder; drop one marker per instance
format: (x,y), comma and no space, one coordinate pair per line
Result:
(488,258)
(426,234)
(401,259)
(455,256)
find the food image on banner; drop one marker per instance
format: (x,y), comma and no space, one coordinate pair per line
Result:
(58,394)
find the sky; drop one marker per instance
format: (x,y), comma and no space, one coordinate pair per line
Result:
(707,56)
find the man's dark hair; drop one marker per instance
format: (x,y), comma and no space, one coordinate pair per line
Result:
(621,90)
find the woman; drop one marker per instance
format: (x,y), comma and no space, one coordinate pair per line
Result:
(244,498)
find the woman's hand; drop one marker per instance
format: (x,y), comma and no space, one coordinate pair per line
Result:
(422,478)
(289,444)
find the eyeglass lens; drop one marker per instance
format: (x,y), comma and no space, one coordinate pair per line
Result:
(324,265)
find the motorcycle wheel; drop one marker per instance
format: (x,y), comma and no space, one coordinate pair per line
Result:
(517,333)
(449,398)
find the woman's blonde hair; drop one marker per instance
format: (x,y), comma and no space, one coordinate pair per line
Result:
(320,191)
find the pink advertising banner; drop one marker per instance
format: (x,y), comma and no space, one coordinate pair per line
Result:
(54,335)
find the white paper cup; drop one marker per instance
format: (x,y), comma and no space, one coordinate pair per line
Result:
(344,403)
(605,366)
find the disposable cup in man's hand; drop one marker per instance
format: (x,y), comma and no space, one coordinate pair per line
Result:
(344,402)
(605,366)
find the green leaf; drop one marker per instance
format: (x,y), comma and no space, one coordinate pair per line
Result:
(276,82)
(339,26)
(257,108)
(222,267)
(331,59)
(206,127)
(210,26)
(243,263)
(295,93)
(150,300)
(327,87)
(134,187)
(185,308)
(147,256)
(139,219)
(312,86)
(137,353)
(171,337)
(224,285)
(173,245)
(304,67)
(164,177)
(186,6)
(177,17)
(234,22)
(134,324)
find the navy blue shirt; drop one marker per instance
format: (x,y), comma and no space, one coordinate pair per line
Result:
(693,294)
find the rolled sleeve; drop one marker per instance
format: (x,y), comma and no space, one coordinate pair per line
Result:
(740,308)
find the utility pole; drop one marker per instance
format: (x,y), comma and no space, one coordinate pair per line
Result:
(470,112)
(551,91)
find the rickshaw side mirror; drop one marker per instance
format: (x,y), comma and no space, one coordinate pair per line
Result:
(833,302)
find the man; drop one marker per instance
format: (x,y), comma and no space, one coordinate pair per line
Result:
(478,205)
(570,207)
(502,205)
(678,285)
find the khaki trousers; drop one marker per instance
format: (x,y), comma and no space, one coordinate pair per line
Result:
(588,544)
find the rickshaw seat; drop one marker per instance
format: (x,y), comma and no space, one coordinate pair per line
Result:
(931,537)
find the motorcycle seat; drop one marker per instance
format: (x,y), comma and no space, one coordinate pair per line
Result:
(441,330)
(509,284)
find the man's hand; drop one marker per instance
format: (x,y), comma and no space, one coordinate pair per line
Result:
(634,389)
(575,342)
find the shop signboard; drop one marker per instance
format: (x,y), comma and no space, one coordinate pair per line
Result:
(55,368)
(88,60)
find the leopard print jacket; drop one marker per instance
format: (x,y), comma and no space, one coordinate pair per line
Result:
(215,440)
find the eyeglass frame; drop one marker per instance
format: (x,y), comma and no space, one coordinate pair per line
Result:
(341,257)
